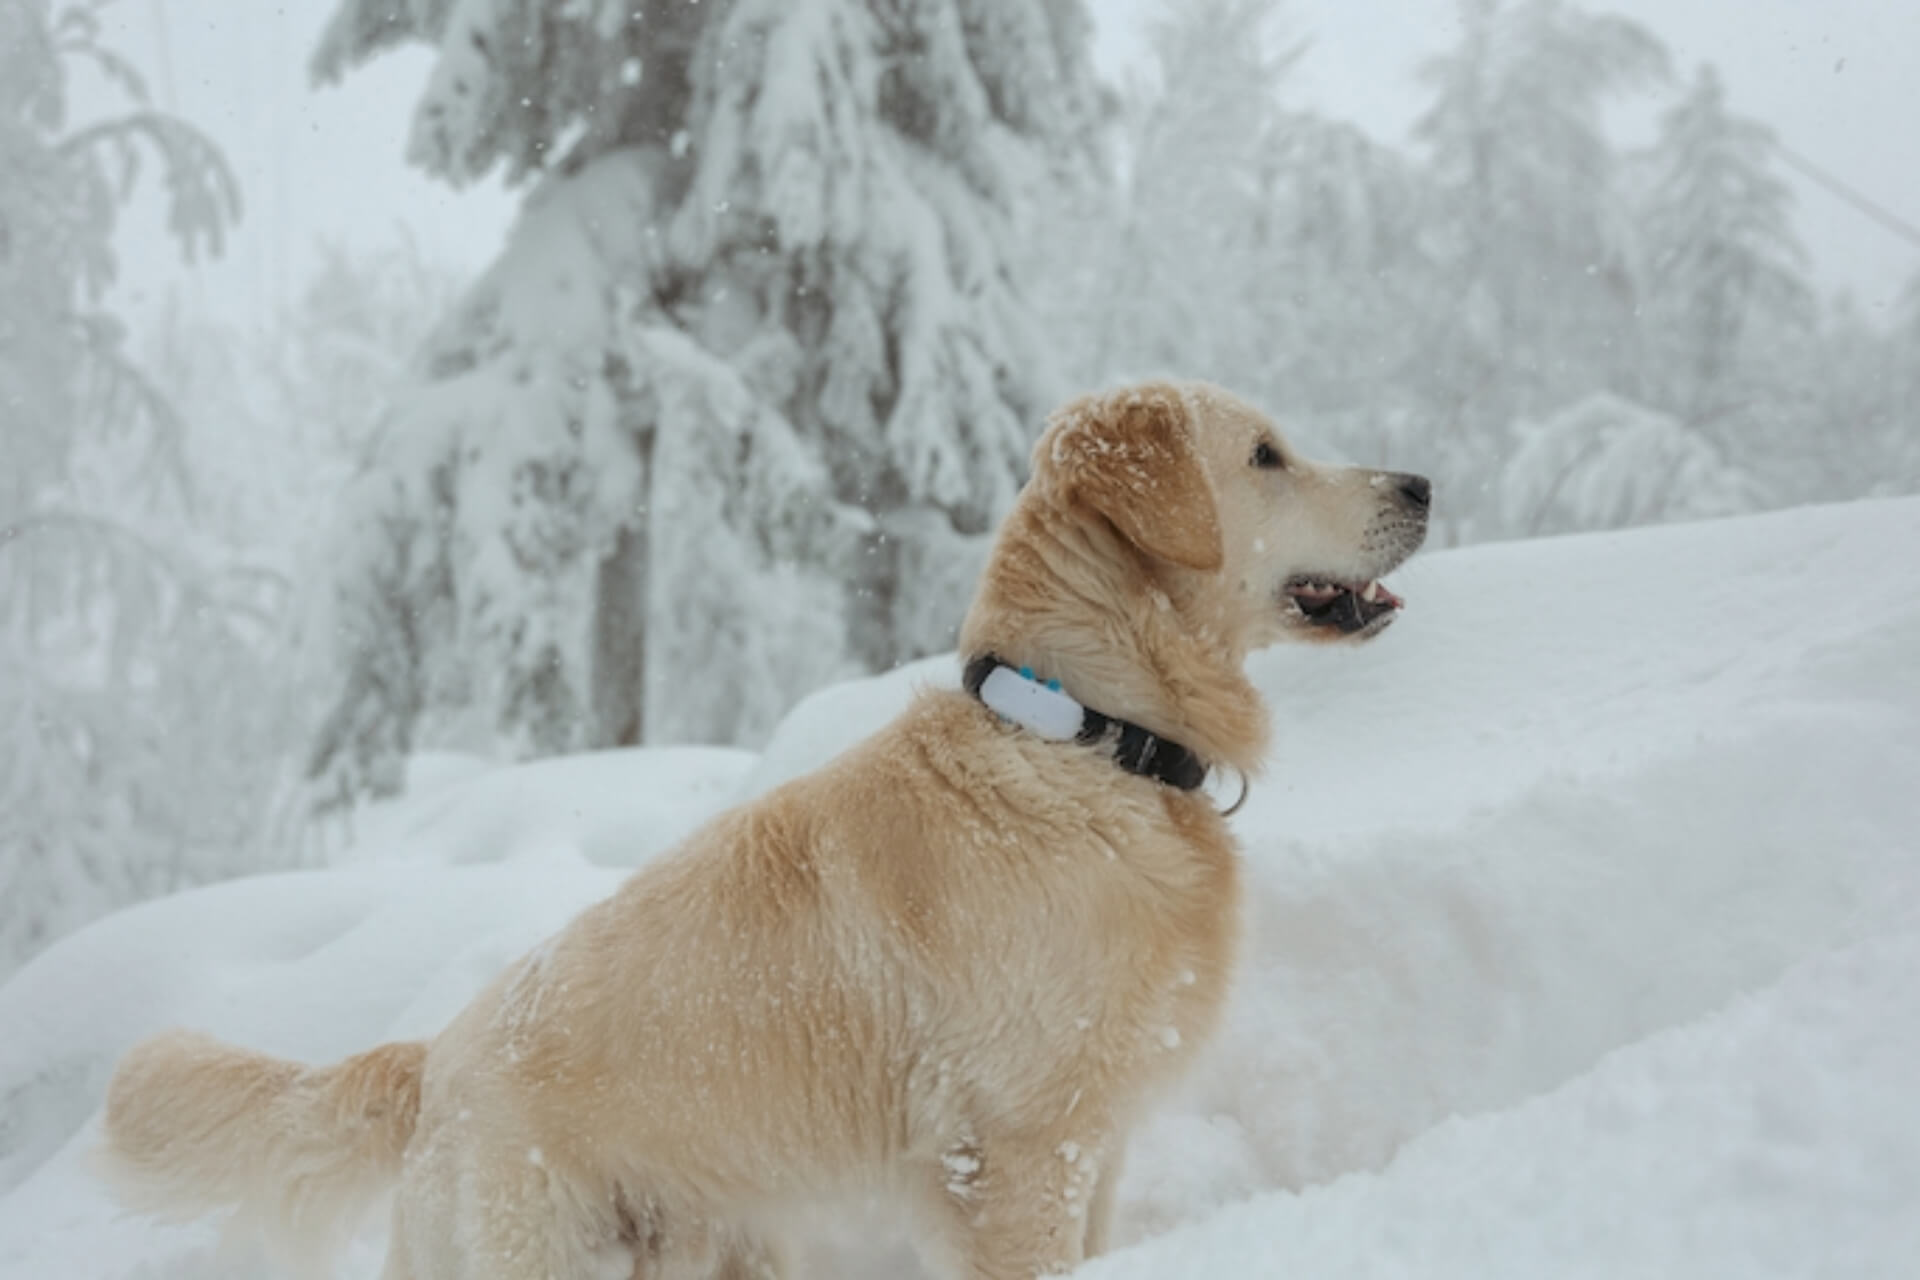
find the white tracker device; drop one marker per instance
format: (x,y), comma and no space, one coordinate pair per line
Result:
(1047,712)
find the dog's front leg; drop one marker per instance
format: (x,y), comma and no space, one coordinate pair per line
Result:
(1017,1206)
(1100,1207)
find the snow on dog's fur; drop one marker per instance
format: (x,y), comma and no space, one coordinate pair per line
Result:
(951,966)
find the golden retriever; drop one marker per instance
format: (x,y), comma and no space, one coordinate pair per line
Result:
(951,966)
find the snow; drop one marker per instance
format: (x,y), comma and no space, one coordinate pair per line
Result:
(1584,909)
(612,808)
(1775,1137)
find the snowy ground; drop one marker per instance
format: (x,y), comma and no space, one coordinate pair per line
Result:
(1584,937)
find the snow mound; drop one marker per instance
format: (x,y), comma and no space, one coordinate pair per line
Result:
(1776,1137)
(613,808)
(824,724)
(1583,913)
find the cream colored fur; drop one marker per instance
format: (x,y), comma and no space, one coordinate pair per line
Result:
(952,966)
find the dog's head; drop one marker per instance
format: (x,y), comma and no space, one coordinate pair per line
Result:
(1257,543)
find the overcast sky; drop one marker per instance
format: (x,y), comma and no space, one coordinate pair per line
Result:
(1838,79)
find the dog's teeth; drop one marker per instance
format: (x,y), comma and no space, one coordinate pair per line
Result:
(1372,592)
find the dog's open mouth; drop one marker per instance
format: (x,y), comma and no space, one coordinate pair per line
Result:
(1346,607)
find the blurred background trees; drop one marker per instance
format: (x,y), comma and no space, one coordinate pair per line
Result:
(123,636)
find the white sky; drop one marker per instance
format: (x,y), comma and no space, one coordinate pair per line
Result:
(1838,79)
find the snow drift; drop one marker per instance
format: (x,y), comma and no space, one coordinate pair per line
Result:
(1584,909)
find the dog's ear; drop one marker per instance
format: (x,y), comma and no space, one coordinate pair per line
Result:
(1130,457)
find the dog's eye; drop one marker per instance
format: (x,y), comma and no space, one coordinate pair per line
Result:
(1267,457)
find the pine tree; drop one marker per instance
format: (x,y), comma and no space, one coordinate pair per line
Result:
(1181,246)
(129,758)
(1727,268)
(1536,270)
(277,418)
(1831,414)
(758,333)
(67,378)
(1237,239)
(1608,463)
(1901,473)
(1350,266)
(1539,257)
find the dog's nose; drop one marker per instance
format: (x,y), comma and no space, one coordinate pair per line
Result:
(1417,490)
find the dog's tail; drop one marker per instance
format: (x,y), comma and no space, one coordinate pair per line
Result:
(194,1125)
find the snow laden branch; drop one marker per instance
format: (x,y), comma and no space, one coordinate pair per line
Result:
(203,197)
(756,362)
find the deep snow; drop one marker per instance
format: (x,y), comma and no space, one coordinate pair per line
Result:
(1584,923)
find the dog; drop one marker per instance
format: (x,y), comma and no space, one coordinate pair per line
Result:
(951,966)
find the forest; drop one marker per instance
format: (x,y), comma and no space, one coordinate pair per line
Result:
(734,410)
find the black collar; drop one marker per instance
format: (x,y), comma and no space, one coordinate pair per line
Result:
(1135,749)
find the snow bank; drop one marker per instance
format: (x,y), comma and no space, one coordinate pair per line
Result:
(826,723)
(1777,1137)
(1583,912)
(614,808)
(319,964)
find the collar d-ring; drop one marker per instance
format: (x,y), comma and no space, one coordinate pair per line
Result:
(1234,808)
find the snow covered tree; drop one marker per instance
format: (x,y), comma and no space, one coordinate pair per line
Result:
(1350,266)
(69,383)
(126,676)
(1607,463)
(276,419)
(351,337)
(746,387)
(1902,472)
(1540,263)
(1726,265)
(1906,327)
(1536,269)
(1269,249)
(1183,244)
(1833,414)
(1905,342)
